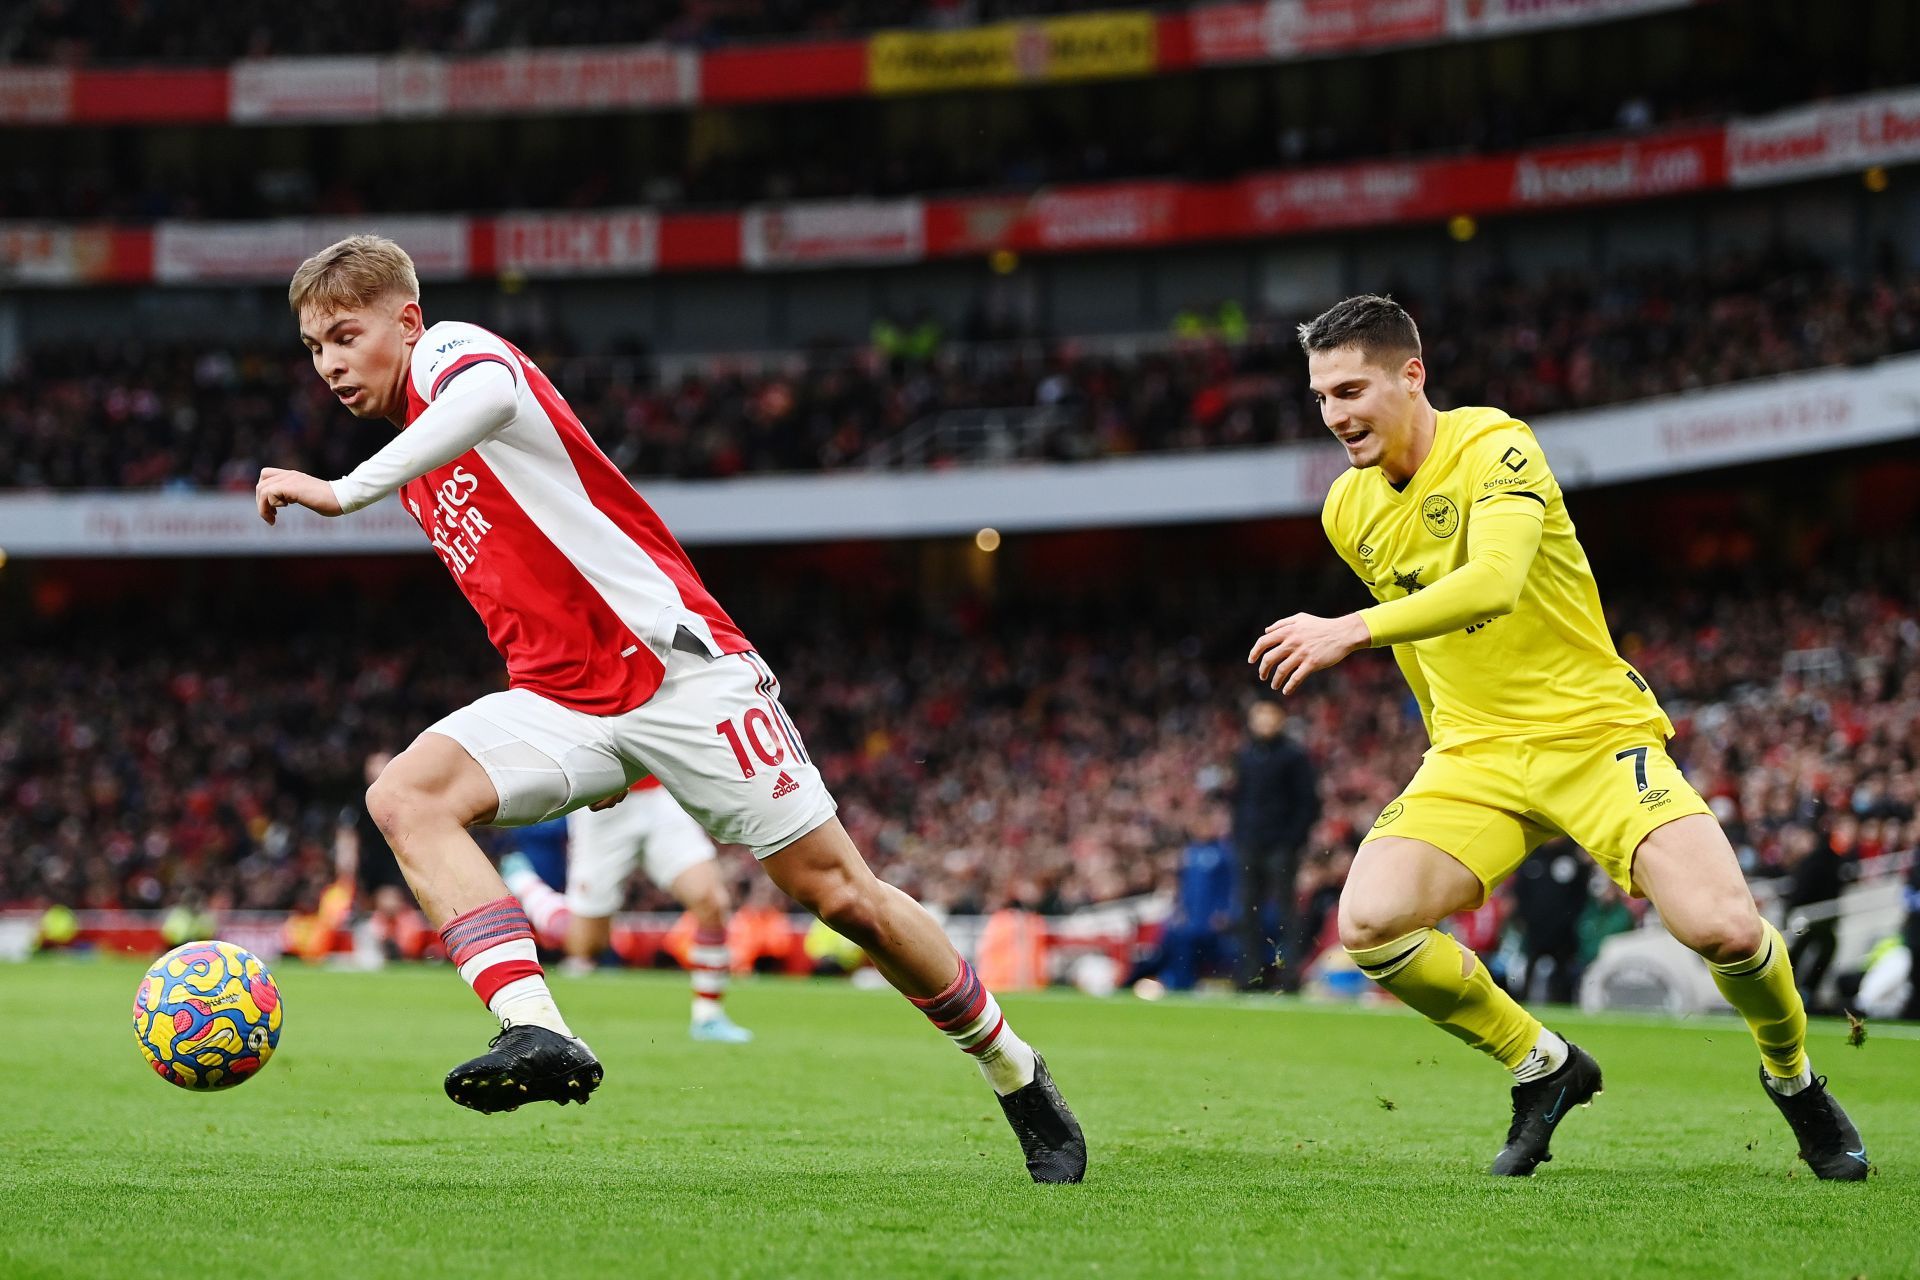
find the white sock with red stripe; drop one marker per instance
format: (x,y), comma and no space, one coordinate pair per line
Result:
(970,1017)
(493,946)
(546,906)
(710,961)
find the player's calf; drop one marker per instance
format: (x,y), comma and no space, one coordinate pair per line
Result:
(825,873)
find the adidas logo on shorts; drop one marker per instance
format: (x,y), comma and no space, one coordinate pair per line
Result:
(784,785)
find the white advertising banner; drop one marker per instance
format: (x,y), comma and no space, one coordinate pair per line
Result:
(836,233)
(1493,17)
(1826,411)
(36,95)
(300,89)
(1830,137)
(187,252)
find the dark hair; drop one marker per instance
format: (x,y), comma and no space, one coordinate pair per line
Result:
(1376,324)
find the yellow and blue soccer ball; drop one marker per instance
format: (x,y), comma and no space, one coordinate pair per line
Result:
(207,1015)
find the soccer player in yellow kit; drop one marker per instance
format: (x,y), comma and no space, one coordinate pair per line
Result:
(1538,728)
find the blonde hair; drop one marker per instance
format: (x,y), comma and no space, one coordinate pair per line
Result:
(352,273)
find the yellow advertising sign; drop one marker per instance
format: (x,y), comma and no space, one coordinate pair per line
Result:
(1086,47)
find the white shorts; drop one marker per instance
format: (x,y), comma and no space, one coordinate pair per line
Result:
(604,849)
(714,733)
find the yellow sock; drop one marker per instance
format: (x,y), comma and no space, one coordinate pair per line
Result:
(1437,976)
(1761,988)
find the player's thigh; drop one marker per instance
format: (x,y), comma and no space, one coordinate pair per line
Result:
(1464,806)
(1688,870)
(436,771)
(1397,885)
(603,852)
(543,759)
(1609,790)
(721,743)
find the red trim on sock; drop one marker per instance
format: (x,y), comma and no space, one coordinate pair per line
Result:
(987,1043)
(972,1011)
(709,937)
(487,983)
(709,995)
(489,924)
(959,981)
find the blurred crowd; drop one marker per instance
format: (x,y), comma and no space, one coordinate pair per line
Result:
(145,416)
(181,31)
(1044,754)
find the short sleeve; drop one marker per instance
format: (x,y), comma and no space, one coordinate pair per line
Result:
(449,348)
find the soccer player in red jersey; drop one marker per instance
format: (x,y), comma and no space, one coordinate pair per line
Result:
(620,665)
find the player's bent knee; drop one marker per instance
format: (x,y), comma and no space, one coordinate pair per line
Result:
(1366,925)
(406,797)
(711,905)
(1723,936)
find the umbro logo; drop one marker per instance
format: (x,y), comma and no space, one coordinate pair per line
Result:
(1653,797)
(784,785)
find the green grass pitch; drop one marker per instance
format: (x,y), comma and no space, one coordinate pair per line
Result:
(1227,1138)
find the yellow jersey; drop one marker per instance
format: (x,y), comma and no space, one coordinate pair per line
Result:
(1545,669)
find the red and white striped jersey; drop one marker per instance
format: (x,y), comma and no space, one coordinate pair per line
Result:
(581,586)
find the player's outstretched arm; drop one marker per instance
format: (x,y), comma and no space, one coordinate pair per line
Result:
(478,401)
(279,487)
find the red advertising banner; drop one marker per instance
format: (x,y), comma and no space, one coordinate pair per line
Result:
(571,80)
(1284,29)
(1139,213)
(1116,215)
(577,244)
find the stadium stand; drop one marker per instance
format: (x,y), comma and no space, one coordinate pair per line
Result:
(160,415)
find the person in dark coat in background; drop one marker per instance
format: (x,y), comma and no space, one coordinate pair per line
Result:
(1819,865)
(1550,892)
(1276,801)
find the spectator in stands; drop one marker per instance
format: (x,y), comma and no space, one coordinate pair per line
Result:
(1276,801)
(193,417)
(1199,936)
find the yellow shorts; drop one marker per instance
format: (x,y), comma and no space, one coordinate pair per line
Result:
(1491,803)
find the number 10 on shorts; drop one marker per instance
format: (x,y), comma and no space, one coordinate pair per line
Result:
(755,730)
